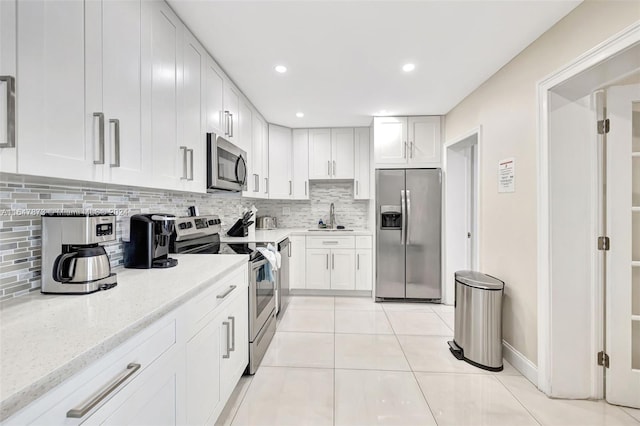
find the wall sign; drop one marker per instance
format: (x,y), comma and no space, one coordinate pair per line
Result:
(507,175)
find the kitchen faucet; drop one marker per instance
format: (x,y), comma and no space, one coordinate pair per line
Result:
(332,216)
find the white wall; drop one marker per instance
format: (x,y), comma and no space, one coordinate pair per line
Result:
(505,107)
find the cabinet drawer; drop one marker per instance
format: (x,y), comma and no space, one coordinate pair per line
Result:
(364,242)
(329,242)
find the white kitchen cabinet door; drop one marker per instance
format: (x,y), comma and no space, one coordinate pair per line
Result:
(203,372)
(213,97)
(255,183)
(152,398)
(390,140)
(230,116)
(265,160)
(193,114)
(343,269)
(280,183)
(300,164)
(320,154)
(424,140)
(162,59)
(362,164)
(297,269)
(114,84)
(245,142)
(342,152)
(50,88)
(318,269)
(364,270)
(8,33)
(234,341)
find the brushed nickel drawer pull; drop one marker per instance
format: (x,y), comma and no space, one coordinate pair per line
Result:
(233,333)
(78,413)
(226,293)
(10,81)
(228,349)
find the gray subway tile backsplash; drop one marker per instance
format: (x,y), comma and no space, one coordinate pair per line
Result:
(22,203)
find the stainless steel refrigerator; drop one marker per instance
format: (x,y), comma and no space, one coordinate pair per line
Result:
(408,231)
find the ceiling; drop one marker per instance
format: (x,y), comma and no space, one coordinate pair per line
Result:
(345,58)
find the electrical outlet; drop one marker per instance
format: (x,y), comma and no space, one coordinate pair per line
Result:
(286,210)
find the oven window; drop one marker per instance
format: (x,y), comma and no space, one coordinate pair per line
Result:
(265,288)
(227,165)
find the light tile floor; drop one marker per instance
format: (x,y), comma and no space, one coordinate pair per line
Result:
(353,362)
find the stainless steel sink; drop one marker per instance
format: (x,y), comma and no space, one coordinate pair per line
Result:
(329,230)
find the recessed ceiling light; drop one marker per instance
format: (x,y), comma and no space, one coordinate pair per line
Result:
(281,69)
(299,114)
(408,67)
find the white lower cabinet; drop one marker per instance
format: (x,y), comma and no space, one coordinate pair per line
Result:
(343,269)
(364,269)
(318,271)
(297,262)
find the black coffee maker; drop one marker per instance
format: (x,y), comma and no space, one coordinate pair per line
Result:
(148,245)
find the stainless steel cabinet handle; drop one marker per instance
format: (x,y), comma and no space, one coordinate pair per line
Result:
(358,261)
(190,151)
(357,188)
(290,188)
(116,141)
(231,126)
(290,244)
(333,261)
(327,261)
(79,412)
(266,185)
(404,150)
(184,163)
(226,355)
(226,292)
(329,167)
(100,117)
(226,123)
(330,242)
(233,333)
(411,149)
(256,183)
(10,81)
(407,236)
(334,167)
(306,183)
(403,213)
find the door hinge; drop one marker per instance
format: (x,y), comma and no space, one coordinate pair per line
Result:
(604,243)
(603,359)
(603,126)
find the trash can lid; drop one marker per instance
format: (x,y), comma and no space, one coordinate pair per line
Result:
(479,280)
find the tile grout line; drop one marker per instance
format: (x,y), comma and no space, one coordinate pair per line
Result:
(533,416)
(624,411)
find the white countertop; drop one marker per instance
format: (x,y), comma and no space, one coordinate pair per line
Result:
(276,235)
(45,339)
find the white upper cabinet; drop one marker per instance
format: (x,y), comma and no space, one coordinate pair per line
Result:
(162,56)
(245,126)
(407,141)
(50,89)
(300,164)
(362,164)
(424,140)
(280,184)
(214,84)
(8,157)
(230,114)
(265,160)
(342,152)
(319,153)
(259,160)
(193,115)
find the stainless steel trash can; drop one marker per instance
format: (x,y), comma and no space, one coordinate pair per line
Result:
(478,320)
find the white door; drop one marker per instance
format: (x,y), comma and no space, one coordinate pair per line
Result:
(162,61)
(623,258)
(50,88)
(320,154)
(318,269)
(342,152)
(343,269)
(193,115)
(390,140)
(362,164)
(297,268)
(300,164)
(424,140)
(213,97)
(8,157)
(231,100)
(280,185)
(364,269)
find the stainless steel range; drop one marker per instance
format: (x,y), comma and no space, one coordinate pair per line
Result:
(200,235)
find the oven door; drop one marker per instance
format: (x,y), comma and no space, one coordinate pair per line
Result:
(262,296)
(226,165)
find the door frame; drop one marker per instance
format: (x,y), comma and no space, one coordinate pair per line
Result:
(546,305)
(448,286)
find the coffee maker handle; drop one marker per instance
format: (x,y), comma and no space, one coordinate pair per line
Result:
(58,266)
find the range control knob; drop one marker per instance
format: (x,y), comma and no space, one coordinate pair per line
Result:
(182,226)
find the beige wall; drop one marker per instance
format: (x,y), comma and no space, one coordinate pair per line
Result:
(505,107)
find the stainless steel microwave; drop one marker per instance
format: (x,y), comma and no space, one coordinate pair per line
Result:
(226,165)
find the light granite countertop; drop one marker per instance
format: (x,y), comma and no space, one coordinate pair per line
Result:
(46,339)
(276,235)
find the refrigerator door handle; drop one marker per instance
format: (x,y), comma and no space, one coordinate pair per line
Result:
(408,210)
(403,213)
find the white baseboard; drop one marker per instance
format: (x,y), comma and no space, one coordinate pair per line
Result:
(527,368)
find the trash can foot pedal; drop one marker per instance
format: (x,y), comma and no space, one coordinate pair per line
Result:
(455,350)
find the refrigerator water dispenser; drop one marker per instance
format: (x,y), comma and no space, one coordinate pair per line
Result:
(390,217)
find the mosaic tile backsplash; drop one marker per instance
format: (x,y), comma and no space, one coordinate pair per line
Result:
(22,203)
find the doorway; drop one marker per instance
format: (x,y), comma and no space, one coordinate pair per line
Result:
(588,301)
(461,169)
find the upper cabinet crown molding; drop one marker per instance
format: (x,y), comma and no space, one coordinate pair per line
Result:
(407,141)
